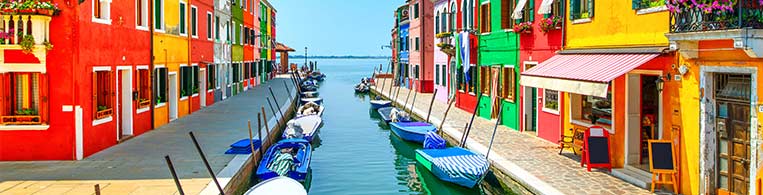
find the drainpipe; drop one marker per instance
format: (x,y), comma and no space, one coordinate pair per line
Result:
(190,61)
(151,57)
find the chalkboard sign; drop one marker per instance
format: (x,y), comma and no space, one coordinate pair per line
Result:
(596,148)
(661,155)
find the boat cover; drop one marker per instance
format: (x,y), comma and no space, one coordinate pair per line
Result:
(282,164)
(457,162)
(433,141)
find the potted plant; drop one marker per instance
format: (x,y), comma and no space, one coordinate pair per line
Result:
(46,8)
(523,27)
(27,44)
(48,45)
(550,23)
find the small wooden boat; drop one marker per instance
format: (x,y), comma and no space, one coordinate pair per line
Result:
(361,88)
(310,108)
(456,165)
(412,131)
(376,104)
(277,186)
(309,87)
(316,100)
(301,151)
(317,76)
(310,94)
(386,114)
(303,127)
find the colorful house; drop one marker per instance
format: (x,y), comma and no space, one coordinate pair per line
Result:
(222,49)
(716,107)
(237,27)
(173,72)
(98,75)
(202,52)
(443,38)
(403,70)
(422,48)
(267,40)
(466,55)
(613,73)
(250,8)
(541,106)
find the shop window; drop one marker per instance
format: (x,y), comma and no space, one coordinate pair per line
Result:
(102,11)
(141,13)
(144,88)
(22,99)
(211,79)
(182,28)
(508,87)
(485,80)
(592,110)
(551,101)
(485,18)
(160,86)
(194,22)
(103,94)
(581,9)
(506,7)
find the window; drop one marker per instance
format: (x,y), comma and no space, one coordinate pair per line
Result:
(253,69)
(416,10)
(236,73)
(643,4)
(444,75)
(211,80)
(186,81)
(160,86)
(437,74)
(144,88)
(159,15)
(209,26)
(528,12)
(228,31)
(217,28)
(452,20)
(592,109)
(103,94)
(182,24)
(471,14)
(246,71)
(460,79)
(437,23)
(485,80)
(416,71)
(508,87)
(194,22)
(556,10)
(102,11)
(581,9)
(443,21)
(485,18)
(551,101)
(417,44)
(20,99)
(141,14)
(241,34)
(464,15)
(195,80)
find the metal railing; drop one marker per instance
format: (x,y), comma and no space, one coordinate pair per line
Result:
(745,14)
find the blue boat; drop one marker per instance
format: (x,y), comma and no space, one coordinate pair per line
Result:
(316,76)
(456,165)
(309,125)
(386,112)
(302,152)
(309,87)
(310,94)
(412,131)
(376,104)
(315,100)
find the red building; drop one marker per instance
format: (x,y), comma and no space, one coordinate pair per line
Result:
(421,55)
(87,93)
(250,8)
(202,52)
(465,26)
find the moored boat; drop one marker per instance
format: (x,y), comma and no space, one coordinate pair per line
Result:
(310,108)
(376,104)
(386,114)
(316,100)
(456,165)
(310,94)
(288,157)
(412,131)
(302,127)
(277,186)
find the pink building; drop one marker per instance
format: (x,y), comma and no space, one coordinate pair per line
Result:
(441,65)
(421,48)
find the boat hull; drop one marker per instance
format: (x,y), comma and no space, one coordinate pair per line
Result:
(451,167)
(318,100)
(411,131)
(303,157)
(380,104)
(277,185)
(310,125)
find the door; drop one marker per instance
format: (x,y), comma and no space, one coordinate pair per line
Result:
(203,87)
(633,114)
(534,101)
(733,133)
(125,103)
(173,99)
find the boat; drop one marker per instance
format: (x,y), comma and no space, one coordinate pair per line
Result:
(317,76)
(376,104)
(386,114)
(302,153)
(310,108)
(309,87)
(412,131)
(302,127)
(310,94)
(316,100)
(361,88)
(456,165)
(277,186)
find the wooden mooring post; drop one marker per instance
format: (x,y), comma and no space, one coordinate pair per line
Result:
(429,112)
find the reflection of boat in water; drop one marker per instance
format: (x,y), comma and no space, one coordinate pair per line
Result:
(405,164)
(404,148)
(432,185)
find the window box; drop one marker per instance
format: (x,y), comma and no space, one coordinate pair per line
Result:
(103,113)
(21,120)
(144,103)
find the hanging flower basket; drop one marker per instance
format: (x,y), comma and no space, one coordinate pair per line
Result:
(523,28)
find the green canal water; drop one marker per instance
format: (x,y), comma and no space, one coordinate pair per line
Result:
(358,154)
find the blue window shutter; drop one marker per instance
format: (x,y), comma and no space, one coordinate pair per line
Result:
(574,9)
(590,8)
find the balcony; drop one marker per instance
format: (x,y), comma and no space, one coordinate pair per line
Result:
(741,21)
(24,41)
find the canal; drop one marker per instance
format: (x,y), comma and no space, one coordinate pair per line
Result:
(358,154)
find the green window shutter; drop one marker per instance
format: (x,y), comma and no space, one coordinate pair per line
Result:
(574,9)
(590,8)
(635,3)
(531,10)
(158,14)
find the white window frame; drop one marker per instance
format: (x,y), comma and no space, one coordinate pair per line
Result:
(193,28)
(161,18)
(185,26)
(241,34)
(230,31)
(558,99)
(210,30)
(143,18)
(105,12)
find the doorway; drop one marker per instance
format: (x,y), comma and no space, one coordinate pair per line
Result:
(124,124)
(643,118)
(203,87)
(173,97)
(732,95)
(530,104)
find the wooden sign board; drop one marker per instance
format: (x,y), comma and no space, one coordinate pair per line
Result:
(661,156)
(596,153)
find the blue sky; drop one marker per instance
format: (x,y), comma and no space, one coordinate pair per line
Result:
(335,27)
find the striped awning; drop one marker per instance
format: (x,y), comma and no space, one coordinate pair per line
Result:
(586,74)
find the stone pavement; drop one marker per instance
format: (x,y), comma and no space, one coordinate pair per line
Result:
(137,166)
(531,161)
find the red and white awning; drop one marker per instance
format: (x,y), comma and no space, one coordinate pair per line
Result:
(587,74)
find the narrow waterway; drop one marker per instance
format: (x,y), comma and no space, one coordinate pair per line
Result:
(358,154)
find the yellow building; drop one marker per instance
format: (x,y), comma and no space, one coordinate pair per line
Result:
(172,68)
(615,71)
(717,98)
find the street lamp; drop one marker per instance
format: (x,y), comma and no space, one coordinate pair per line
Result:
(660,83)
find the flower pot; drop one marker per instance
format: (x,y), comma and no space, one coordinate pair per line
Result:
(46,12)
(27,11)
(8,11)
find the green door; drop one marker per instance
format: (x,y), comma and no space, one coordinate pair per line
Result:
(534,108)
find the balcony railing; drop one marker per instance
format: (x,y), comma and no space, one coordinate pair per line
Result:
(742,14)
(14,27)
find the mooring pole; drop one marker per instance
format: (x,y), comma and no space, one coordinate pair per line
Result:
(413,103)
(259,134)
(495,128)
(288,92)
(382,88)
(429,112)
(276,101)
(450,104)
(278,121)
(406,99)
(265,120)
(206,163)
(463,135)
(251,141)
(98,189)
(466,133)
(172,171)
